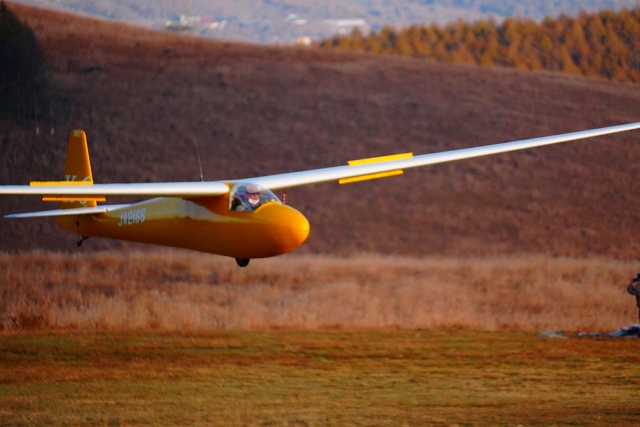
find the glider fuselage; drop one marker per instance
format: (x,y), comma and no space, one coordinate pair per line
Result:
(204,224)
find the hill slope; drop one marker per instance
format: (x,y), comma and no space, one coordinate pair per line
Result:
(144,97)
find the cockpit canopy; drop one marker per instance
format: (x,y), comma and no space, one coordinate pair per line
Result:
(247,197)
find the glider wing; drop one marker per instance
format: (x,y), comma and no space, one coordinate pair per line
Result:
(356,171)
(379,167)
(155,189)
(63,212)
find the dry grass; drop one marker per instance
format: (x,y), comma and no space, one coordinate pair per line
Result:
(182,291)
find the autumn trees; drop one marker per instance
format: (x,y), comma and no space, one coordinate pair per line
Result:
(604,44)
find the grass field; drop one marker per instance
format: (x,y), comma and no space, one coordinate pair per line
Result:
(186,291)
(315,378)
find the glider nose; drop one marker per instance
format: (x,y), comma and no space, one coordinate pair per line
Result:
(299,228)
(288,228)
(295,229)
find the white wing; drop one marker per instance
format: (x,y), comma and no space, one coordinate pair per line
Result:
(294,179)
(63,212)
(155,189)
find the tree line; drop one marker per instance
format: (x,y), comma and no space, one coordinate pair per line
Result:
(23,80)
(604,44)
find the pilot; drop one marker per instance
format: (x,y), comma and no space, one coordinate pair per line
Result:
(634,289)
(249,199)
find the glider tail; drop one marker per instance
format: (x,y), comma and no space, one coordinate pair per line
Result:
(77,172)
(78,168)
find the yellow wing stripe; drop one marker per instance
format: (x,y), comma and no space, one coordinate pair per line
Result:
(380,159)
(370,176)
(375,175)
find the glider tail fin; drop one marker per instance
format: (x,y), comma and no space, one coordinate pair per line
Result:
(78,168)
(78,165)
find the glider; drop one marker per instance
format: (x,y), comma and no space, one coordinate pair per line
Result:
(242,218)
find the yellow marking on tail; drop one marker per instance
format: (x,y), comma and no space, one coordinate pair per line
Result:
(59,183)
(73,199)
(67,199)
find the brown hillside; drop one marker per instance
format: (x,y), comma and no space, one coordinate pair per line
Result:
(144,97)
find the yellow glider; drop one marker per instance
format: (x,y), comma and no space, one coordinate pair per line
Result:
(242,219)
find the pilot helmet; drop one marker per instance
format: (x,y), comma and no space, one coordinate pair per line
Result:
(252,189)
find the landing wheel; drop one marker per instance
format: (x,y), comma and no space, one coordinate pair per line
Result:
(79,242)
(242,262)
